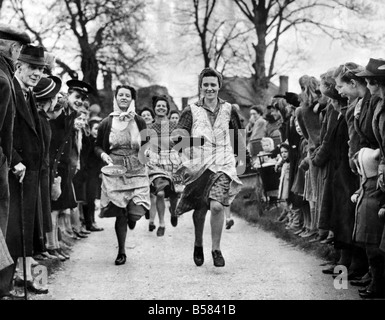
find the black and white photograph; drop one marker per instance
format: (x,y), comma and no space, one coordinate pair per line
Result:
(192,157)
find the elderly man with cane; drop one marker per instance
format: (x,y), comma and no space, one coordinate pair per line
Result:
(27,159)
(11,41)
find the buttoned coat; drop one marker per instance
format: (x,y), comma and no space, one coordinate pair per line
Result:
(7,113)
(63,159)
(28,149)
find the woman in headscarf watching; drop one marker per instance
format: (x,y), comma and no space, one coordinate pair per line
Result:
(125,192)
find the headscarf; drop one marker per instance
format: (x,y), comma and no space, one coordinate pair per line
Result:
(127,116)
(124,115)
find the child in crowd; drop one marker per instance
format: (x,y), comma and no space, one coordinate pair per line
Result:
(266,165)
(283,166)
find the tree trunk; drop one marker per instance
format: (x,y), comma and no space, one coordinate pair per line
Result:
(261,82)
(90,68)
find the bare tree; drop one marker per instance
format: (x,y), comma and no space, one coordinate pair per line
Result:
(43,30)
(100,27)
(103,36)
(216,36)
(273,19)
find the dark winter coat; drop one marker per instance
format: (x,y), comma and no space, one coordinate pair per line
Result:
(354,139)
(63,158)
(28,145)
(363,123)
(343,185)
(379,132)
(45,184)
(321,158)
(7,113)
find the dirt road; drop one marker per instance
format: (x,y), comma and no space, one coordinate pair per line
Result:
(258,267)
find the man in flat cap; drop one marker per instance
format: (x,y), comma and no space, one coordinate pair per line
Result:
(11,41)
(27,159)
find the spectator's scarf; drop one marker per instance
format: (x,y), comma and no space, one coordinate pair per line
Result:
(124,115)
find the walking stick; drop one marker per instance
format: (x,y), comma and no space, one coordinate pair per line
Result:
(23,239)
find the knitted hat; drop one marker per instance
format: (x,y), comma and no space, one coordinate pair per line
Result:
(368,161)
(47,88)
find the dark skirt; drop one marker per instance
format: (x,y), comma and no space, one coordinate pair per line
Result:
(132,212)
(163,184)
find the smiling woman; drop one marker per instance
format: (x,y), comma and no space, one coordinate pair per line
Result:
(125,196)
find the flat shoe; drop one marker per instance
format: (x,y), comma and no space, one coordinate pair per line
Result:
(131,224)
(174,220)
(218,259)
(31,286)
(151,226)
(94,229)
(371,295)
(120,259)
(360,283)
(198,256)
(160,231)
(329,270)
(61,251)
(229,224)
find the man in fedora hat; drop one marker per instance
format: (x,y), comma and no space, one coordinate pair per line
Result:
(27,157)
(11,41)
